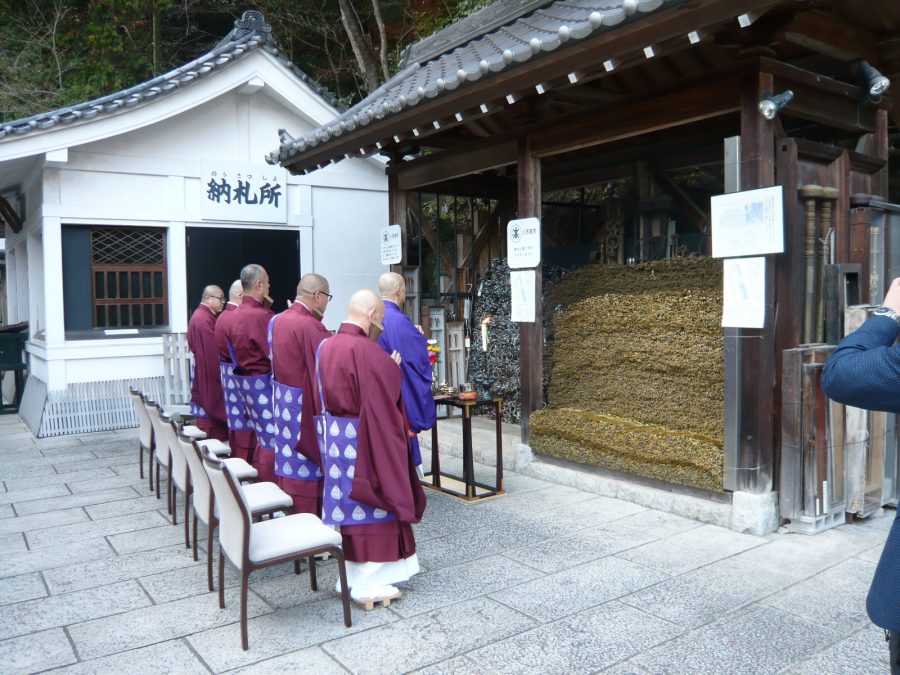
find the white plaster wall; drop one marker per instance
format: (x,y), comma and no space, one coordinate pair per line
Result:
(346,248)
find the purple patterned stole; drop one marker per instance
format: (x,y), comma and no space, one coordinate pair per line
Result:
(338,445)
(256,393)
(287,409)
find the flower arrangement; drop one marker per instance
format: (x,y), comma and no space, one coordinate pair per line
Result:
(434,352)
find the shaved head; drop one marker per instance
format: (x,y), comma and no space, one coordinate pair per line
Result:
(211,291)
(311,284)
(235,292)
(364,307)
(389,283)
(250,274)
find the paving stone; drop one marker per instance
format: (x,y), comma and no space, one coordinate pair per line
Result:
(310,660)
(38,651)
(454,666)
(659,523)
(21,588)
(573,590)
(61,610)
(627,668)
(51,558)
(6,511)
(873,555)
(578,516)
(110,482)
(19,497)
(536,501)
(571,550)
(516,483)
(12,541)
(585,642)
(19,441)
(124,507)
(703,595)
(68,467)
(68,455)
(752,640)
(478,543)
(172,657)
(863,653)
(90,529)
(148,539)
(802,555)
(56,479)
(281,632)
(57,443)
(14,472)
(118,449)
(141,627)
(290,590)
(428,638)
(430,590)
(831,597)
(109,570)
(691,549)
(72,501)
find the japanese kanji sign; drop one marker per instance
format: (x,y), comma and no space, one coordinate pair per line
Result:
(391,245)
(244,192)
(523,243)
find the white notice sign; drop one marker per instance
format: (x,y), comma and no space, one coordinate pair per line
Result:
(391,245)
(523,243)
(521,286)
(747,223)
(744,293)
(253,193)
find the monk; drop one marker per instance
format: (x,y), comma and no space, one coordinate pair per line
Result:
(207,402)
(296,334)
(369,476)
(246,341)
(240,436)
(402,336)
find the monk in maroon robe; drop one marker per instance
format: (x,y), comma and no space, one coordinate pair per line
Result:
(248,336)
(295,338)
(206,387)
(360,380)
(241,441)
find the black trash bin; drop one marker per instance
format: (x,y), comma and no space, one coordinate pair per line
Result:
(12,359)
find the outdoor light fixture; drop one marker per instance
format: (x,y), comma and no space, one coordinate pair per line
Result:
(772,103)
(876,83)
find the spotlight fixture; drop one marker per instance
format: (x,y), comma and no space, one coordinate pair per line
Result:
(772,103)
(876,83)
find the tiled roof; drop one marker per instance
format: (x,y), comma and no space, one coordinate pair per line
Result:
(495,39)
(250,32)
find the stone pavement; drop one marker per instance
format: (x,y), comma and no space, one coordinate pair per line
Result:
(548,579)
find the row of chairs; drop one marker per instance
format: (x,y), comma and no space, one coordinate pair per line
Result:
(221,492)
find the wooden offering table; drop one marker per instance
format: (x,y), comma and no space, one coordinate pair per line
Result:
(465,487)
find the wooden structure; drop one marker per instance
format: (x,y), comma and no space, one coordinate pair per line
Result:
(531,96)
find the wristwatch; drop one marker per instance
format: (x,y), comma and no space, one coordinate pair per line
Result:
(888,312)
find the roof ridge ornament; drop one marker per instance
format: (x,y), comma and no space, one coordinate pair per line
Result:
(252,21)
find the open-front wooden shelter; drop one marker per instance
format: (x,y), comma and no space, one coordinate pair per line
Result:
(530,96)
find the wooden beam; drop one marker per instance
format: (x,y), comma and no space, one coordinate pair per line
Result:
(531,350)
(397,215)
(451,164)
(827,34)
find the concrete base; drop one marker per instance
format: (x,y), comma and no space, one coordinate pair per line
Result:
(754,513)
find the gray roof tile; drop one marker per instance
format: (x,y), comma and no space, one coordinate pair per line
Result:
(250,32)
(498,37)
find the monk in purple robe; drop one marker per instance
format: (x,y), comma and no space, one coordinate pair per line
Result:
(247,337)
(402,336)
(239,440)
(207,400)
(360,380)
(295,338)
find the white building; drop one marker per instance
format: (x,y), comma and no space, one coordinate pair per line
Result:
(131,203)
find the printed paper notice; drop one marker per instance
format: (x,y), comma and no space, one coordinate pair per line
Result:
(744,293)
(523,243)
(391,245)
(747,223)
(521,285)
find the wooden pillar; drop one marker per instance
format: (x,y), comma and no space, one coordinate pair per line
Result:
(397,216)
(752,375)
(531,343)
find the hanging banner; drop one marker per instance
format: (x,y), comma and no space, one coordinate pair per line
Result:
(391,245)
(747,223)
(522,305)
(243,192)
(523,243)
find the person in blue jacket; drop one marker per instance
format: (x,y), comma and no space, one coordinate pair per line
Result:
(864,371)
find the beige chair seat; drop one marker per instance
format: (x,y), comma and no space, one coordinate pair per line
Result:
(263,497)
(176,409)
(194,432)
(278,537)
(240,468)
(215,446)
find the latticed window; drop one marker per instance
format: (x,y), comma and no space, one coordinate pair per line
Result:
(129,276)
